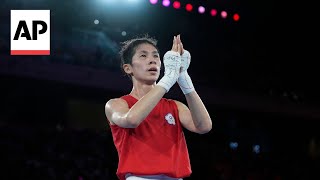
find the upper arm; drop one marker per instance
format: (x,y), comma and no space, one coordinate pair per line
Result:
(116,112)
(185,117)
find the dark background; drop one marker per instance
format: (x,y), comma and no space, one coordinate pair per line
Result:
(258,78)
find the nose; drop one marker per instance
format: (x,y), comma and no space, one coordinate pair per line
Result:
(152,61)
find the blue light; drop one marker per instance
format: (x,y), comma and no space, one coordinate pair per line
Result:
(233,145)
(256,149)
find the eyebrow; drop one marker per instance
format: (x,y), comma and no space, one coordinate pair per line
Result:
(153,52)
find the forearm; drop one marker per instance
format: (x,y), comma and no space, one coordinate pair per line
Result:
(199,113)
(140,110)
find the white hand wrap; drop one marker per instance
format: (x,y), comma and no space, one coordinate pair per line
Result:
(172,63)
(184,79)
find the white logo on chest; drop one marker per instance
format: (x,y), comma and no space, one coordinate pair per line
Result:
(170,119)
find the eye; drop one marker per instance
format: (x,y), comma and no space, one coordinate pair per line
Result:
(143,55)
(156,56)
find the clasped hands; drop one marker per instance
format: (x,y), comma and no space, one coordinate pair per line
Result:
(176,63)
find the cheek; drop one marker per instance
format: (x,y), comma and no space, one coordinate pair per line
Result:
(137,67)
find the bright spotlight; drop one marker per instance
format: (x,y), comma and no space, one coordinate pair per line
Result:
(176,5)
(236,17)
(213,12)
(201,9)
(189,7)
(166,3)
(224,14)
(153,1)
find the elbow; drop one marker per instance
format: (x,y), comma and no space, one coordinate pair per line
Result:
(206,128)
(132,121)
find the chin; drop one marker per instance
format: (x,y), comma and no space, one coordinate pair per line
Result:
(151,81)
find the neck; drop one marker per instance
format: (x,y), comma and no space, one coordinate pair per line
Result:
(140,89)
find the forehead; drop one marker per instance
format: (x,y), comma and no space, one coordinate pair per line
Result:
(146,47)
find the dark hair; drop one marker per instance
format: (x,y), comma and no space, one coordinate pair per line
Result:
(129,47)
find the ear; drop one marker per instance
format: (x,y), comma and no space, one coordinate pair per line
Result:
(127,69)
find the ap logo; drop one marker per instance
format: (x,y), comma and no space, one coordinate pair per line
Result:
(30,32)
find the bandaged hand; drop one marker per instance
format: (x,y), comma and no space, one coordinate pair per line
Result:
(184,79)
(172,64)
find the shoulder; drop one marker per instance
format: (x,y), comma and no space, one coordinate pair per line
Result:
(120,100)
(179,104)
(166,100)
(115,102)
(113,106)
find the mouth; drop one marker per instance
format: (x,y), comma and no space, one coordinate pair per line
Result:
(153,69)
